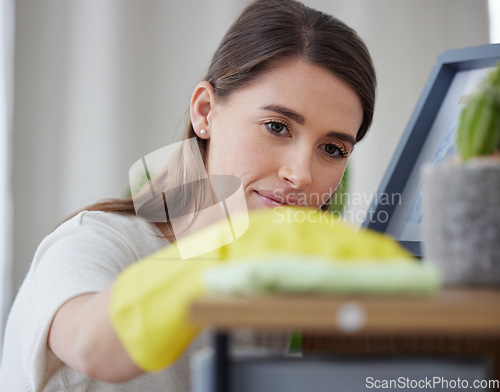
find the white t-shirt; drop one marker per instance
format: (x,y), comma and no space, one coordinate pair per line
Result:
(83,255)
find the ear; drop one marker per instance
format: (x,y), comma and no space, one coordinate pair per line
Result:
(202,101)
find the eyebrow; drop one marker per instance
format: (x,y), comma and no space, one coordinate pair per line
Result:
(285,112)
(300,119)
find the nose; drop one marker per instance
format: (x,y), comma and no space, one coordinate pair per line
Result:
(296,170)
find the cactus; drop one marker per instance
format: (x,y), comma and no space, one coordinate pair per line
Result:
(479,127)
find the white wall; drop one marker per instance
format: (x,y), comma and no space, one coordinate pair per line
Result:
(100,83)
(494,18)
(6,107)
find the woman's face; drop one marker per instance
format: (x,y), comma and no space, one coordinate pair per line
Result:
(287,135)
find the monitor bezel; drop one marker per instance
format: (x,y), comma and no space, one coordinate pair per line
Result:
(418,129)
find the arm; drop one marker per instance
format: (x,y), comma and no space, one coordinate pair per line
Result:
(145,308)
(83,337)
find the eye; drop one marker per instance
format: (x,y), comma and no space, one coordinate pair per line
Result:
(277,128)
(334,151)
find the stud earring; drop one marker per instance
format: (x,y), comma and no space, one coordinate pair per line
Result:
(203,132)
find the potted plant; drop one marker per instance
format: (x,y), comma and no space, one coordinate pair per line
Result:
(461,198)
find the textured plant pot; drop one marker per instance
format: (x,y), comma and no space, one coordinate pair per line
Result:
(461,221)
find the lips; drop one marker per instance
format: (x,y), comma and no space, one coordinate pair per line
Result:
(275,198)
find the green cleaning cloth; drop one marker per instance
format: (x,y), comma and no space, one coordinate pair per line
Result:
(311,274)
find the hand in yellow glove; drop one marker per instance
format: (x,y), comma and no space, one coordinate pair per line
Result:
(151,298)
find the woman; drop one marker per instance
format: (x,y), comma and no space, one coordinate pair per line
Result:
(288,94)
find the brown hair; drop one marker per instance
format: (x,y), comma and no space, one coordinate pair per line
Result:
(270,31)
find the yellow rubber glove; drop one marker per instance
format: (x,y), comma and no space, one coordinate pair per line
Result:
(150,300)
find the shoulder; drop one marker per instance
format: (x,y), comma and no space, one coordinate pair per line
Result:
(102,236)
(108,219)
(127,228)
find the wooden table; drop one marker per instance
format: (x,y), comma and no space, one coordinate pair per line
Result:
(465,313)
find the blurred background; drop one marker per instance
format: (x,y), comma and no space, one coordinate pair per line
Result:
(87,87)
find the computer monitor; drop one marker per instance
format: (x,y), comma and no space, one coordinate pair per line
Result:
(428,139)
